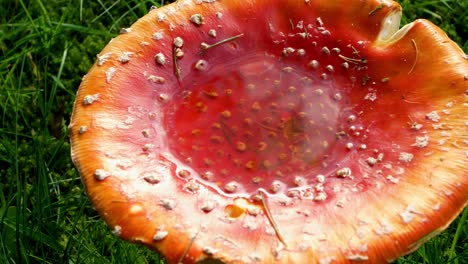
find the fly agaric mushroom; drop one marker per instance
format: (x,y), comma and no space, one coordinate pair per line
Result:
(275,131)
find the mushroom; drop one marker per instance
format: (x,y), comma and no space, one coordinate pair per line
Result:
(275,131)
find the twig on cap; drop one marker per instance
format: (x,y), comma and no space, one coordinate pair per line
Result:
(272,221)
(205,46)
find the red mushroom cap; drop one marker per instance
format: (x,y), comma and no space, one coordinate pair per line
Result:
(275,131)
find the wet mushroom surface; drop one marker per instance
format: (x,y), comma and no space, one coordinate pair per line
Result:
(275,131)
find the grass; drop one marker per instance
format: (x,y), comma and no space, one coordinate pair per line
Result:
(45,48)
